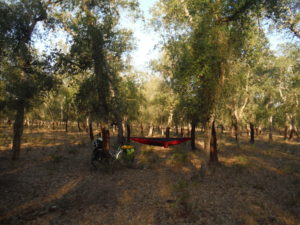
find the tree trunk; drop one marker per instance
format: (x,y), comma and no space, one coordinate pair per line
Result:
(222,129)
(167,132)
(237,131)
(181,132)
(120,131)
(251,133)
(128,133)
(66,125)
(232,130)
(293,129)
(213,155)
(150,131)
(193,136)
(176,130)
(78,126)
(208,133)
(18,131)
(90,124)
(270,128)
(285,132)
(142,130)
(106,139)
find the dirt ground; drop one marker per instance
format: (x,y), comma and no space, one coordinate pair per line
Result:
(54,183)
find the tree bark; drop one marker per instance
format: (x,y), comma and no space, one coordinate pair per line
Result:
(150,131)
(285,132)
(142,130)
(90,127)
(66,125)
(208,133)
(181,132)
(193,136)
(176,130)
(167,132)
(293,129)
(270,128)
(128,133)
(78,126)
(251,133)
(18,130)
(213,156)
(106,139)
(120,131)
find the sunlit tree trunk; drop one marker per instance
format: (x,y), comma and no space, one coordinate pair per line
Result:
(270,128)
(150,131)
(18,130)
(293,129)
(208,132)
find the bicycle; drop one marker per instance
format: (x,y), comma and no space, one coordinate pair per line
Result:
(124,154)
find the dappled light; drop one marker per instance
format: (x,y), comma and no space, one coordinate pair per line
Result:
(149,112)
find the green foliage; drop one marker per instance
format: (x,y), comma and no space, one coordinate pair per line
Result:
(158,102)
(25,76)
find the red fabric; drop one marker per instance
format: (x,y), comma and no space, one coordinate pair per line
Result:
(160,141)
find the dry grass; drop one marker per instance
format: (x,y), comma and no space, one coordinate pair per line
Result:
(53,183)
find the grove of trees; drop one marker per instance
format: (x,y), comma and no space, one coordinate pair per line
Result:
(216,68)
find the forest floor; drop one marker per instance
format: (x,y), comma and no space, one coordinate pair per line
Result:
(54,183)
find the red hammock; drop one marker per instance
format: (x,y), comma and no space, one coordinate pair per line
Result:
(160,141)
